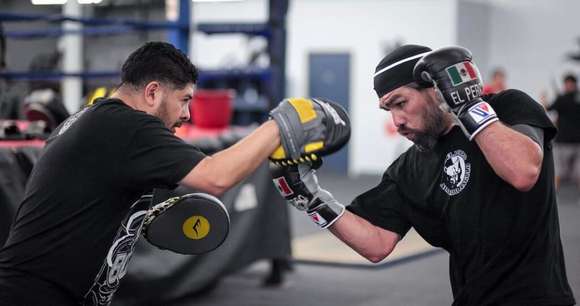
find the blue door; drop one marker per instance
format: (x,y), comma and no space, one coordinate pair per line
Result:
(329,77)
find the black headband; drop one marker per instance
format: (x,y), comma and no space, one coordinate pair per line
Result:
(396,68)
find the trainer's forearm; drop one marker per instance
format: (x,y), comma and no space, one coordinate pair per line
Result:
(219,172)
(241,159)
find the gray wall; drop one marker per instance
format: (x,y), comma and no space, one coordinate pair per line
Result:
(530,38)
(473,32)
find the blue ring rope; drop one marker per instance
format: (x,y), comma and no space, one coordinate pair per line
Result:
(13,17)
(204,76)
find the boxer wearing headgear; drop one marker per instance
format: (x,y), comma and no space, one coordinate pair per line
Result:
(395,69)
(478,182)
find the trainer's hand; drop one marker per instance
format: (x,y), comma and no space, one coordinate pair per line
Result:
(298,184)
(309,128)
(458,80)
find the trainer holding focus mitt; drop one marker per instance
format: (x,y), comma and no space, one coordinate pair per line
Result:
(478,182)
(86,202)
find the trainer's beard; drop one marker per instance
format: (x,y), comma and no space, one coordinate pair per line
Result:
(163,114)
(434,120)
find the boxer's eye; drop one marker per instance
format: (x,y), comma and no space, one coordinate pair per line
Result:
(400,103)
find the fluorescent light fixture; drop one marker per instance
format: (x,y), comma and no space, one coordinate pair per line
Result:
(61,2)
(214,1)
(171,10)
(48,2)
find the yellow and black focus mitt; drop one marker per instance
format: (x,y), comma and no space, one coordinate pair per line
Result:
(194,223)
(309,129)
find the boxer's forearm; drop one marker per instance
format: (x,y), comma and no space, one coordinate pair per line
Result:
(514,157)
(219,172)
(371,242)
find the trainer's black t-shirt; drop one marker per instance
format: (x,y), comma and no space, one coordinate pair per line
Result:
(568,108)
(504,244)
(76,227)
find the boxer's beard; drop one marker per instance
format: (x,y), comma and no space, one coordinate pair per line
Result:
(434,125)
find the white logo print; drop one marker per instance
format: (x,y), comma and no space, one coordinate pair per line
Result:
(335,116)
(115,264)
(481,112)
(72,119)
(456,172)
(300,202)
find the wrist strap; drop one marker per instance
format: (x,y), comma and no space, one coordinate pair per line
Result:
(324,214)
(476,118)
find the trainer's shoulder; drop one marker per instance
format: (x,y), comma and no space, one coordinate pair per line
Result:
(116,114)
(110,107)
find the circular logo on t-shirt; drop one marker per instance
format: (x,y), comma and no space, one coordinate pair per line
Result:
(456,171)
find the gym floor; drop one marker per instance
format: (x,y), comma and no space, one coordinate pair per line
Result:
(423,280)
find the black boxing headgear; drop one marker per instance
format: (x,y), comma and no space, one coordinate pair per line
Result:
(396,68)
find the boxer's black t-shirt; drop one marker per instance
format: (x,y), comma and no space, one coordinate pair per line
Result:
(504,244)
(75,229)
(568,108)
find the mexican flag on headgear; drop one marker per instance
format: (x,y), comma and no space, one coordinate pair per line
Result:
(461,73)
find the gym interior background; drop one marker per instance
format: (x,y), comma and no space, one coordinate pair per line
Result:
(264,50)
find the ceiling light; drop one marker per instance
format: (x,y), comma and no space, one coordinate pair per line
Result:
(214,1)
(48,2)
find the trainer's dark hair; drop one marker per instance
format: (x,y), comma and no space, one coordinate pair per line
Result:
(570,78)
(158,61)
